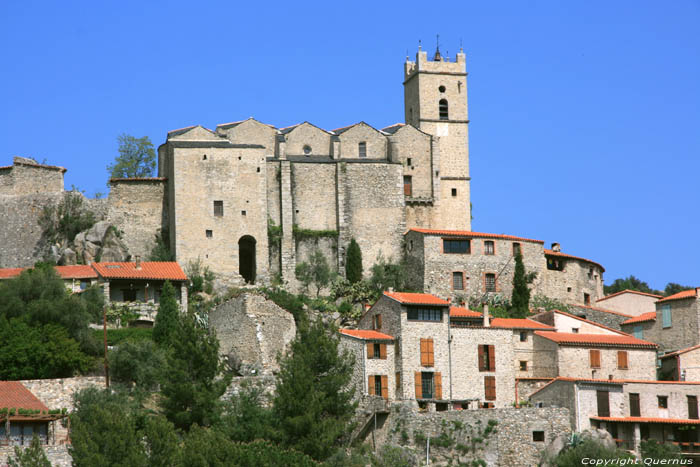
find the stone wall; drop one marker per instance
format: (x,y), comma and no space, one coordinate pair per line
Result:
(313,194)
(575,362)
(684,329)
(579,277)
(505,436)
(58,455)
(524,387)
(22,243)
(365,367)
(27,177)
(609,318)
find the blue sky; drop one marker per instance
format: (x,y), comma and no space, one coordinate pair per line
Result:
(585,116)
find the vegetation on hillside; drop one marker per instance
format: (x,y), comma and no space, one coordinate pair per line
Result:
(63,221)
(633,283)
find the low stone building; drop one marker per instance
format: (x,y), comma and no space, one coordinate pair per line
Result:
(562,321)
(682,365)
(76,278)
(23,416)
(630,302)
(593,356)
(630,410)
(253,332)
(677,322)
(374,371)
(610,318)
(640,326)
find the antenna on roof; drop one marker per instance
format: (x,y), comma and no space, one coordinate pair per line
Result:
(419,44)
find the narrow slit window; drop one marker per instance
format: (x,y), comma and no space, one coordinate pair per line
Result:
(444,109)
(219,208)
(362,149)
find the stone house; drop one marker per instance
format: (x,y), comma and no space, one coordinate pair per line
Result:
(76,278)
(613,356)
(630,302)
(640,326)
(677,322)
(138,285)
(453,263)
(609,318)
(374,371)
(682,365)
(562,321)
(630,410)
(22,416)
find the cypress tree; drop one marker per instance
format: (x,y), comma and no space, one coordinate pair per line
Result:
(167,317)
(353,263)
(520,300)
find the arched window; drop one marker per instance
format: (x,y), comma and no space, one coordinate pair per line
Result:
(444,113)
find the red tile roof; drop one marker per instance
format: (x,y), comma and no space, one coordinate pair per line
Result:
(470,234)
(366,334)
(684,421)
(408,298)
(593,323)
(518,323)
(629,291)
(564,255)
(78,271)
(681,351)
(644,317)
(13,395)
(461,312)
(9,273)
(692,293)
(604,340)
(568,379)
(155,270)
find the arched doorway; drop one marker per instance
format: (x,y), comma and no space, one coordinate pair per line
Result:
(246,258)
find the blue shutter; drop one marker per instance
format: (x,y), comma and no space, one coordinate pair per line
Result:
(666,316)
(638,333)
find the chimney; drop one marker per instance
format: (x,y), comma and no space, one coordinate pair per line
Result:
(367,306)
(556,247)
(391,290)
(138,262)
(485,314)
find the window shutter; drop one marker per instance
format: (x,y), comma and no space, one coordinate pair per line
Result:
(595,358)
(438,385)
(385,387)
(382,351)
(370,385)
(492,358)
(634,405)
(370,350)
(398,382)
(419,385)
(603,403)
(490,388)
(431,357)
(482,359)
(379,321)
(423,352)
(622,359)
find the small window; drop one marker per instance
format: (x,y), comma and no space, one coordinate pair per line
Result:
(378,385)
(218,208)
(487,357)
(444,110)
(638,332)
(490,282)
(424,314)
(377,350)
(555,264)
(454,191)
(516,249)
(590,273)
(622,362)
(362,149)
(458,280)
(441,89)
(489,247)
(574,330)
(635,409)
(407,185)
(586,299)
(204,157)
(377,321)
(243,213)
(523,336)
(209,233)
(427,386)
(693,407)
(523,365)
(490,389)
(409,162)
(456,246)
(663,402)
(84,285)
(538,436)
(258,170)
(568,289)
(307,149)
(666,316)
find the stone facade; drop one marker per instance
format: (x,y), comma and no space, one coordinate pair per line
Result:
(682,330)
(368,366)
(608,318)
(253,333)
(58,455)
(566,322)
(27,177)
(571,279)
(683,365)
(629,302)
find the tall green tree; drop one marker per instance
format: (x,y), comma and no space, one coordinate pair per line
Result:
(313,399)
(316,271)
(520,298)
(353,263)
(136,159)
(193,382)
(167,318)
(387,274)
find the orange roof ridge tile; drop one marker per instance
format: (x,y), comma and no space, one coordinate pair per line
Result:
(680,295)
(411,298)
(564,255)
(651,316)
(155,270)
(366,334)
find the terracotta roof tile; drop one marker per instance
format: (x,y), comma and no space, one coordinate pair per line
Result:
(470,234)
(155,270)
(13,395)
(408,298)
(651,316)
(518,323)
(366,334)
(684,421)
(692,293)
(605,340)
(461,312)
(564,255)
(629,291)
(681,351)
(9,273)
(78,271)
(593,323)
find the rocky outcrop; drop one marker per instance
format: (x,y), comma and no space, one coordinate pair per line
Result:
(101,242)
(252,333)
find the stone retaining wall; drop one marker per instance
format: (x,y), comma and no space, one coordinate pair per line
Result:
(57,455)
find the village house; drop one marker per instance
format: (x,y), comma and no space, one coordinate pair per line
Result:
(373,372)
(682,365)
(562,321)
(609,318)
(630,302)
(23,416)
(640,326)
(630,410)
(677,322)
(76,278)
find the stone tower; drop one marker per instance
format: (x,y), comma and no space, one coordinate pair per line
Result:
(435,100)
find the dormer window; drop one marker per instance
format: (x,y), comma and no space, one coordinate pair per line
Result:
(444,112)
(362,149)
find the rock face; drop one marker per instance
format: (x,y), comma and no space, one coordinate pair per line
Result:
(561,442)
(252,332)
(100,242)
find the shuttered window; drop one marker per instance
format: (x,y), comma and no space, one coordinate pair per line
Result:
(490,388)
(426,352)
(635,410)
(665,316)
(378,385)
(595,358)
(693,407)
(438,385)
(377,321)
(487,358)
(418,383)
(622,360)
(603,403)
(376,350)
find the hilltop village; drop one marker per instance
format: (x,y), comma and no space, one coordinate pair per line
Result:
(251,202)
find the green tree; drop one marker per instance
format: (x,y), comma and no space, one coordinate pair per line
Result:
(193,382)
(104,431)
(316,271)
(520,298)
(167,317)
(136,159)
(652,449)
(161,248)
(629,283)
(245,417)
(162,442)
(138,363)
(588,449)
(33,456)
(673,288)
(353,263)
(313,399)
(66,219)
(387,274)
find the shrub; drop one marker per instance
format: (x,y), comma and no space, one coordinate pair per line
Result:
(353,263)
(66,219)
(137,362)
(652,449)
(589,449)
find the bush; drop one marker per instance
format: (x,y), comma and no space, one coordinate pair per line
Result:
(201,278)
(573,456)
(652,449)
(33,456)
(288,301)
(316,272)
(66,219)
(117,336)
(137,362)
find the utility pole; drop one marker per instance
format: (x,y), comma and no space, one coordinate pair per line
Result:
(104,327)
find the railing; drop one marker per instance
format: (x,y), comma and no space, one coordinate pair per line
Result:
(688,447)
